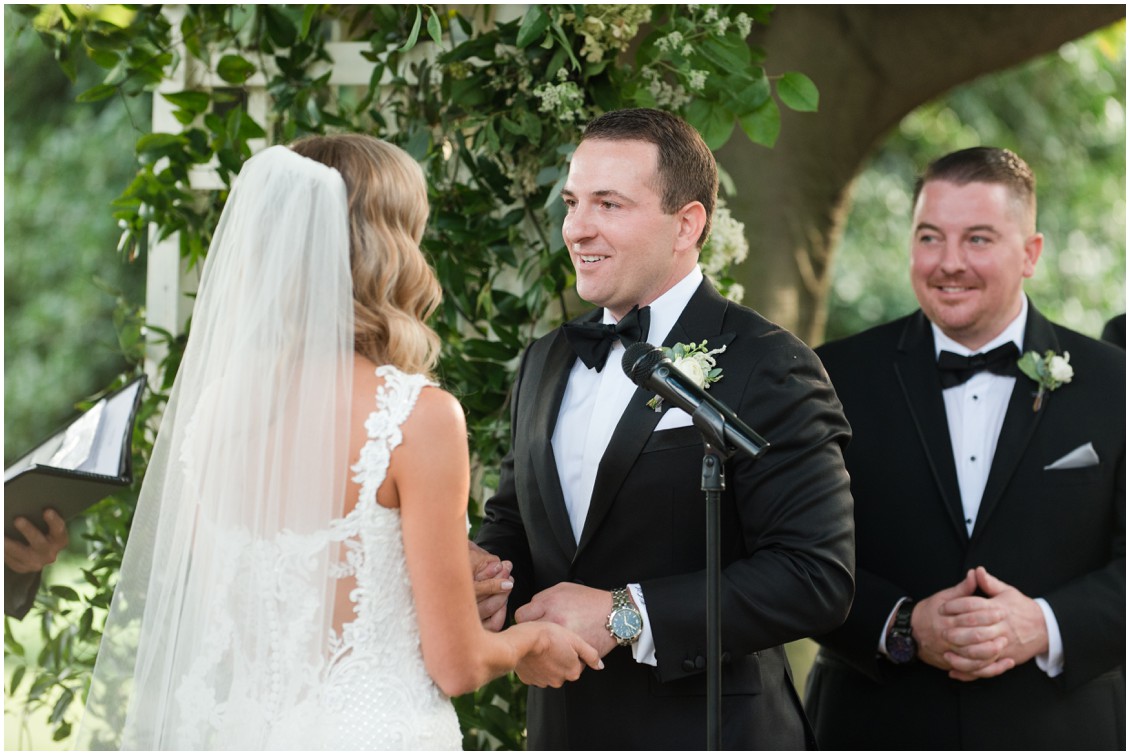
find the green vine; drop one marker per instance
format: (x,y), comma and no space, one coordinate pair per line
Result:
(489,109)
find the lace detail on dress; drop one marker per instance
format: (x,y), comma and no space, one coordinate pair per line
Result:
(372,690)
(376,676)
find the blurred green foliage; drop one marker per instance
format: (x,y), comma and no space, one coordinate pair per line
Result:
(63,166)
(1065,114)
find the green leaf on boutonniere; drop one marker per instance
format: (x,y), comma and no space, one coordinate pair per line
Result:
(1049,372)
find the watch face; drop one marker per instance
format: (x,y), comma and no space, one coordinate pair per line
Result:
(625,623)
(902,648)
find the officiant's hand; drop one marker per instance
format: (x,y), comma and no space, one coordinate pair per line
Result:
(493,584)
(41,549)
(582,609)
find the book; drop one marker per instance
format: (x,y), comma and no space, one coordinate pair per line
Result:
(78,466)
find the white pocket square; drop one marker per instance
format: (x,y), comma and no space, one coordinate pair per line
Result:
(673,418)
(1083,456)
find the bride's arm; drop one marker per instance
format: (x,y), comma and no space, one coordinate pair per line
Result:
(430,477)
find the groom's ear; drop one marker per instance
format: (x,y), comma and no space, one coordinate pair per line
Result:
(691,219)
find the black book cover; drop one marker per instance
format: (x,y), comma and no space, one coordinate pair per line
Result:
(78,466)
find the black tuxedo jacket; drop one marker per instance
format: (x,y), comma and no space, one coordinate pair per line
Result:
(1059,534)
(787,548)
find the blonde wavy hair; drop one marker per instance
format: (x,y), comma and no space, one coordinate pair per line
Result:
(394,288)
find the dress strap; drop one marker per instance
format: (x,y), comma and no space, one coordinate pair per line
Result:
(395,399)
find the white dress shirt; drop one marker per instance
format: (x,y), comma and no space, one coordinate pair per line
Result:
(975,414)
(590,410)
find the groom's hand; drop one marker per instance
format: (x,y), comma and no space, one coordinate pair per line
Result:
(582,609)
(493,584)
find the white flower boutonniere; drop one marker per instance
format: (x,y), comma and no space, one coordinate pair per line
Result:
(1050,371)
(696,362)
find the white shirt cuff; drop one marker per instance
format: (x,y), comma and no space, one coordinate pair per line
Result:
(643,649)
(1051,663)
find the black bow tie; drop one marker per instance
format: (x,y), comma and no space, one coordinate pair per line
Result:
(956,369)
(593,340)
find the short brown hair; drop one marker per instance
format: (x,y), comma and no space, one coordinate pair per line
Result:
(992,165)
(686,168)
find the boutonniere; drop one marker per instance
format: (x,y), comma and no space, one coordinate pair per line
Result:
(1050,371)
(696,362)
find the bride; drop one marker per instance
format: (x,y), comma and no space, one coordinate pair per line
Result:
(297,572)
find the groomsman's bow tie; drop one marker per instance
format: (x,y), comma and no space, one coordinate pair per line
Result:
(593,340)
(956,369)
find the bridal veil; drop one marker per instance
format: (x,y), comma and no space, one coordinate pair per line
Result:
(219,621)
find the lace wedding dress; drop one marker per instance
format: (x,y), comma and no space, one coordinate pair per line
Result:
(372,691)
(376,688)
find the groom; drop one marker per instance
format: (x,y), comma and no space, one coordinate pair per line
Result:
(599,507)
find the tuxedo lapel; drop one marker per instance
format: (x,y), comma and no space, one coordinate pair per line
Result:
(701,320)
(547,405)
(917,374)
(1020,421)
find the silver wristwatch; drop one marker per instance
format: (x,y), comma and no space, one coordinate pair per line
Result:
(624,623)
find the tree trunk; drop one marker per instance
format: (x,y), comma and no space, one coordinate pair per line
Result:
(873,65)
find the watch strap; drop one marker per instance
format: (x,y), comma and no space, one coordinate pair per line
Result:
(901,646)
(621,598)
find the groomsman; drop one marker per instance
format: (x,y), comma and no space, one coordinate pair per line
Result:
(600,508)
(988,468)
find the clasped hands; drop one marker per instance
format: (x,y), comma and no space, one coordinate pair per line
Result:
(978,636)
(581,610)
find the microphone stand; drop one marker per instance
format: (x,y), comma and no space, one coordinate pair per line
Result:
(649,368)
(712,426)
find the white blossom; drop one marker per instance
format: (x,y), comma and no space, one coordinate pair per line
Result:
(666,95)
(564,100)
(727,245)
(690,367)
(670,42)
(744,23)
(1059,368)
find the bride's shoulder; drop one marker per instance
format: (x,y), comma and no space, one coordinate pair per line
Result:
(436,411)
(433,410)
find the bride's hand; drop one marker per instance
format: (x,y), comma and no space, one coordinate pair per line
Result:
(556,656)
(493,584)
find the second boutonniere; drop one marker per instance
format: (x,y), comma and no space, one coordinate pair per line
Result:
(1050,371)
(695,361)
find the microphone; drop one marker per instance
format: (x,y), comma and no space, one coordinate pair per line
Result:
(648,367)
